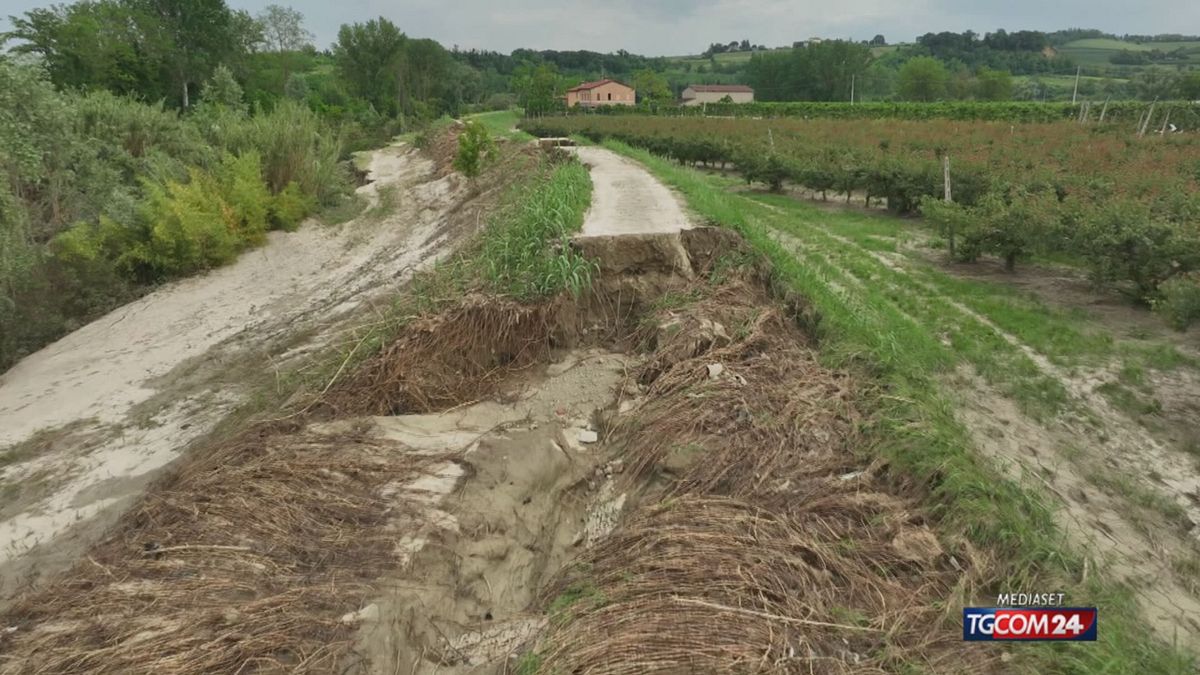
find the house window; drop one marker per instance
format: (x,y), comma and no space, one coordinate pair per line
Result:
(610,95)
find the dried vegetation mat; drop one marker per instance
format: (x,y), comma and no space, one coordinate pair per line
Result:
(765,543)
(244,560)
(253,556)
(448,358)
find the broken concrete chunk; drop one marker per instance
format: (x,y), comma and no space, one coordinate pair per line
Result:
(629,405)
(588,436)
(716,331)
(367,614)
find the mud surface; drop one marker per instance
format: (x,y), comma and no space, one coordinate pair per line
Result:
(516,494)
(138,385)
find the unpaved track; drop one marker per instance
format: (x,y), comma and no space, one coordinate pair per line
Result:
(626,199)
(139,384)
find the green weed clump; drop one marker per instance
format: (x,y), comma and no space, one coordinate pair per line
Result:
(182,227)
(1179,302)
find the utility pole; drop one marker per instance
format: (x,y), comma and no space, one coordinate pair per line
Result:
(1078,70)
(852,78)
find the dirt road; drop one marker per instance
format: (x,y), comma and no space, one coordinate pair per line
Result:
(626,199)
(93,417)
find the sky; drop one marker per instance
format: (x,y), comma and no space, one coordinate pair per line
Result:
(675,27)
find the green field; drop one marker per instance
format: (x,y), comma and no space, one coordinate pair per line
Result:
(1098,51)
(724,58)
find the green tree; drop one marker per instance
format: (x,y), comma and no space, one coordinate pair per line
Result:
(368,58)
(283,29)
(538,88)
(191,37)
(398,74)
(923,78)
(1189,86)
(652,87)
(427,77)
(993,85)
(223,90)
(1156,83)
(819,72)
(90,45)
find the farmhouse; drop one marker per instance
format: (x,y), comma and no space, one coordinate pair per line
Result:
(601,92)
(713,93)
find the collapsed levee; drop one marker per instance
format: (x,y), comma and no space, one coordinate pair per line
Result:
(656,476)
(722,523)
(762,541)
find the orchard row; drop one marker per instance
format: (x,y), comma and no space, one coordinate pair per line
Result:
(1129,115)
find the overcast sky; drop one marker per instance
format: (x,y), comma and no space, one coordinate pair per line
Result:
(671,27)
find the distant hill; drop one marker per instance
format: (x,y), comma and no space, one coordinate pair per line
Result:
(1100,52)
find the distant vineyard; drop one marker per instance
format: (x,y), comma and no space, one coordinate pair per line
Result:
(1182,114)
(1128,205)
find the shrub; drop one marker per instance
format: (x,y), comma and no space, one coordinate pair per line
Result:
(245,196)
(500,101)
(1179,300)
(289,207)
(293,144)
(1009,224)
(1124,242)
(186,229)
(950,220)
(475,149)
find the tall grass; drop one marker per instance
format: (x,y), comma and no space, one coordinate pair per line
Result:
(915,429)
(525,252)
(294,145)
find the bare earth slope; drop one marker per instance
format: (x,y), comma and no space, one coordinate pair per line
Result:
(91,418)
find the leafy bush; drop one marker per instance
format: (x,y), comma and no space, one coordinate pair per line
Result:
(1008,225)
(184,229)
(181,226)
(1179,300)
(289,207)
(246,198)
(950,219)
(1125,242)
(500,101)
(292,142)
(475,148)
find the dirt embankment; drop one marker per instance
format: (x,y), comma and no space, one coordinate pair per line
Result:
(88,422)
(658,476)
